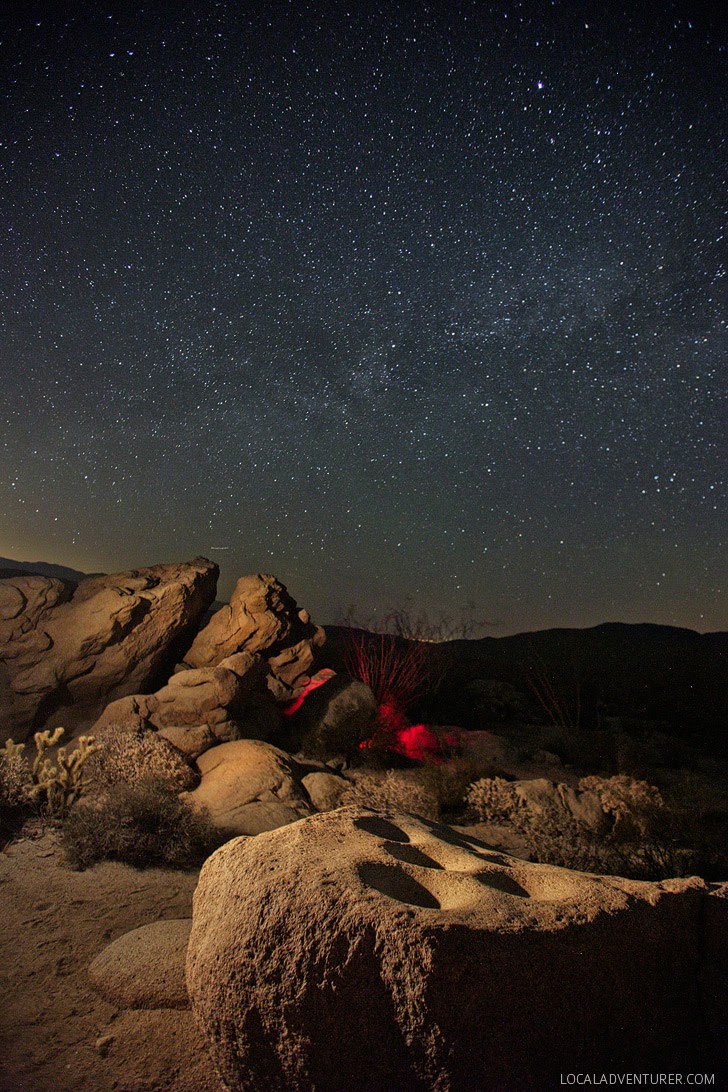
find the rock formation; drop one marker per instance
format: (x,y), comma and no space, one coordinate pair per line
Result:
(540,796)
(261,618)
(144,969)
(333,719)
(325,789)
(65,653)
(248,786)
(204,706)
(374,951)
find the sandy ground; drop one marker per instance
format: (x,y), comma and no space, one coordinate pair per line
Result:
(56,1033)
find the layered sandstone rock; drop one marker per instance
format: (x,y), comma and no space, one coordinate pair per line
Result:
(373,951)
(65,653)
(262,618)
(202,707)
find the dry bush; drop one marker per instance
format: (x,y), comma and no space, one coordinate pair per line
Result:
(143,824)
(449,781)
(633,803)
(395,669)
(646,841)
(14,777)
(124,756)
(493,799)
(15,798)
(395,791)
(558,694)
(420,626)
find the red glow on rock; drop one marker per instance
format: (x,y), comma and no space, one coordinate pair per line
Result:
(414,741)
(418,742)
(392,717)
(421,743)
(313,684)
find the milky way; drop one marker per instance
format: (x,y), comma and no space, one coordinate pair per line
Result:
(409,303)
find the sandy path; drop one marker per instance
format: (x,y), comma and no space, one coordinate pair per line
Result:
(56,1033)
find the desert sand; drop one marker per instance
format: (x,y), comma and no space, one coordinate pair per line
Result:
(56,1033)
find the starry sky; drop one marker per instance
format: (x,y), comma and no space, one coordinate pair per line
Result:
(407,303)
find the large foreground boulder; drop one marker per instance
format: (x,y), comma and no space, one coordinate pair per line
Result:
(376,951)
(262,618)
(66,653)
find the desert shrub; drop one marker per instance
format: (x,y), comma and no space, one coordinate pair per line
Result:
(14,776)
(551,834)
(632,803)
(493,799)
(396,790)
(125,756)
(394,668)
(449,781)
(646,841)
(143,824)
(559,694)
(15,799)
(404,621)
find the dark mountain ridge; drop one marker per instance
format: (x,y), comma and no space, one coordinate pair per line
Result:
(9,568)
(637,676)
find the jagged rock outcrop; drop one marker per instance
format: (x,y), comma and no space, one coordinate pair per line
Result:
(249,786)
(201,707)
(65,653)
(262,618)
(373,951)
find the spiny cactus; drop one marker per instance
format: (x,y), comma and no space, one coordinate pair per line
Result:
(59,784)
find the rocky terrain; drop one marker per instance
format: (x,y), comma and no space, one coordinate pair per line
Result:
(343,901)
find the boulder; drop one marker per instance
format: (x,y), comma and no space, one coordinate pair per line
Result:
(201,707)
(325,790)
(145,969)
(333,719)
(540,796)
(261,618)
(248,786)
(66,653)
(374,951)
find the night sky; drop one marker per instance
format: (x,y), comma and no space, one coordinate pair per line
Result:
(409,303)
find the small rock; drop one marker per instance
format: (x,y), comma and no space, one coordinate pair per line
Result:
(325,790)
(145,969)
(103,1044)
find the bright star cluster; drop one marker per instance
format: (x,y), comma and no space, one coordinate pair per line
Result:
(403,302)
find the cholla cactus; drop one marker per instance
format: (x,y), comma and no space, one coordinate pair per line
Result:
(60,784)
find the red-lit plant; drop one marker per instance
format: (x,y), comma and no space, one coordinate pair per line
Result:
(398,672)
